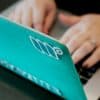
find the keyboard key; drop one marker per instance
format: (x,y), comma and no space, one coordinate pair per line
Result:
(78,68)
(84,72)
(93,69)
(83,80)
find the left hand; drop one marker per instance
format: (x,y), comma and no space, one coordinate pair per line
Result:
(83,37)
(37,13)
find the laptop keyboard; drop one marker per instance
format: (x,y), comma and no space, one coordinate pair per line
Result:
(86,74)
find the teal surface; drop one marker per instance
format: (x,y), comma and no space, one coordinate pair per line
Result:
(21,88)
(40,59)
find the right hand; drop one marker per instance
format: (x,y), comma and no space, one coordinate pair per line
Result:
(37,13)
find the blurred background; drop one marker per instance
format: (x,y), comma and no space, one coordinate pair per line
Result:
(6,3)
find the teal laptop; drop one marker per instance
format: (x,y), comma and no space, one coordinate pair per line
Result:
(40,59)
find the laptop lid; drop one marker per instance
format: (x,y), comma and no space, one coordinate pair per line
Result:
(40,59)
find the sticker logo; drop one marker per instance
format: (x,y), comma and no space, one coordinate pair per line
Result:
(46,48)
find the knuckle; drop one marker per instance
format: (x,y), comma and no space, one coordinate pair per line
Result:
(74,42)
(87,47)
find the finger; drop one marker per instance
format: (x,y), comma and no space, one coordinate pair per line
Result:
(84,50)
(93,59)
(27,16)
(49,19)
(17,17)
(69,19)
(76,42)
(17,13)
(11,16)
(74,30)
(38,17)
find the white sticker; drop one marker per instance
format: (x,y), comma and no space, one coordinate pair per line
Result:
(46,48)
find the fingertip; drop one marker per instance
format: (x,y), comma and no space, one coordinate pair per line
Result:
(38,27)
(47,25)
(61,15)
(87,64)
(63,41)
(75,59)
(46,31)
(62,18)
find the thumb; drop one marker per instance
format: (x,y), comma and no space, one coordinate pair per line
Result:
(69,19)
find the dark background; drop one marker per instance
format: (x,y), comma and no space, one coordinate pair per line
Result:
(75,6)
(80,6)
(5,3)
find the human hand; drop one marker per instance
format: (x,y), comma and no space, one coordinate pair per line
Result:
(83,37)
(39,13)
